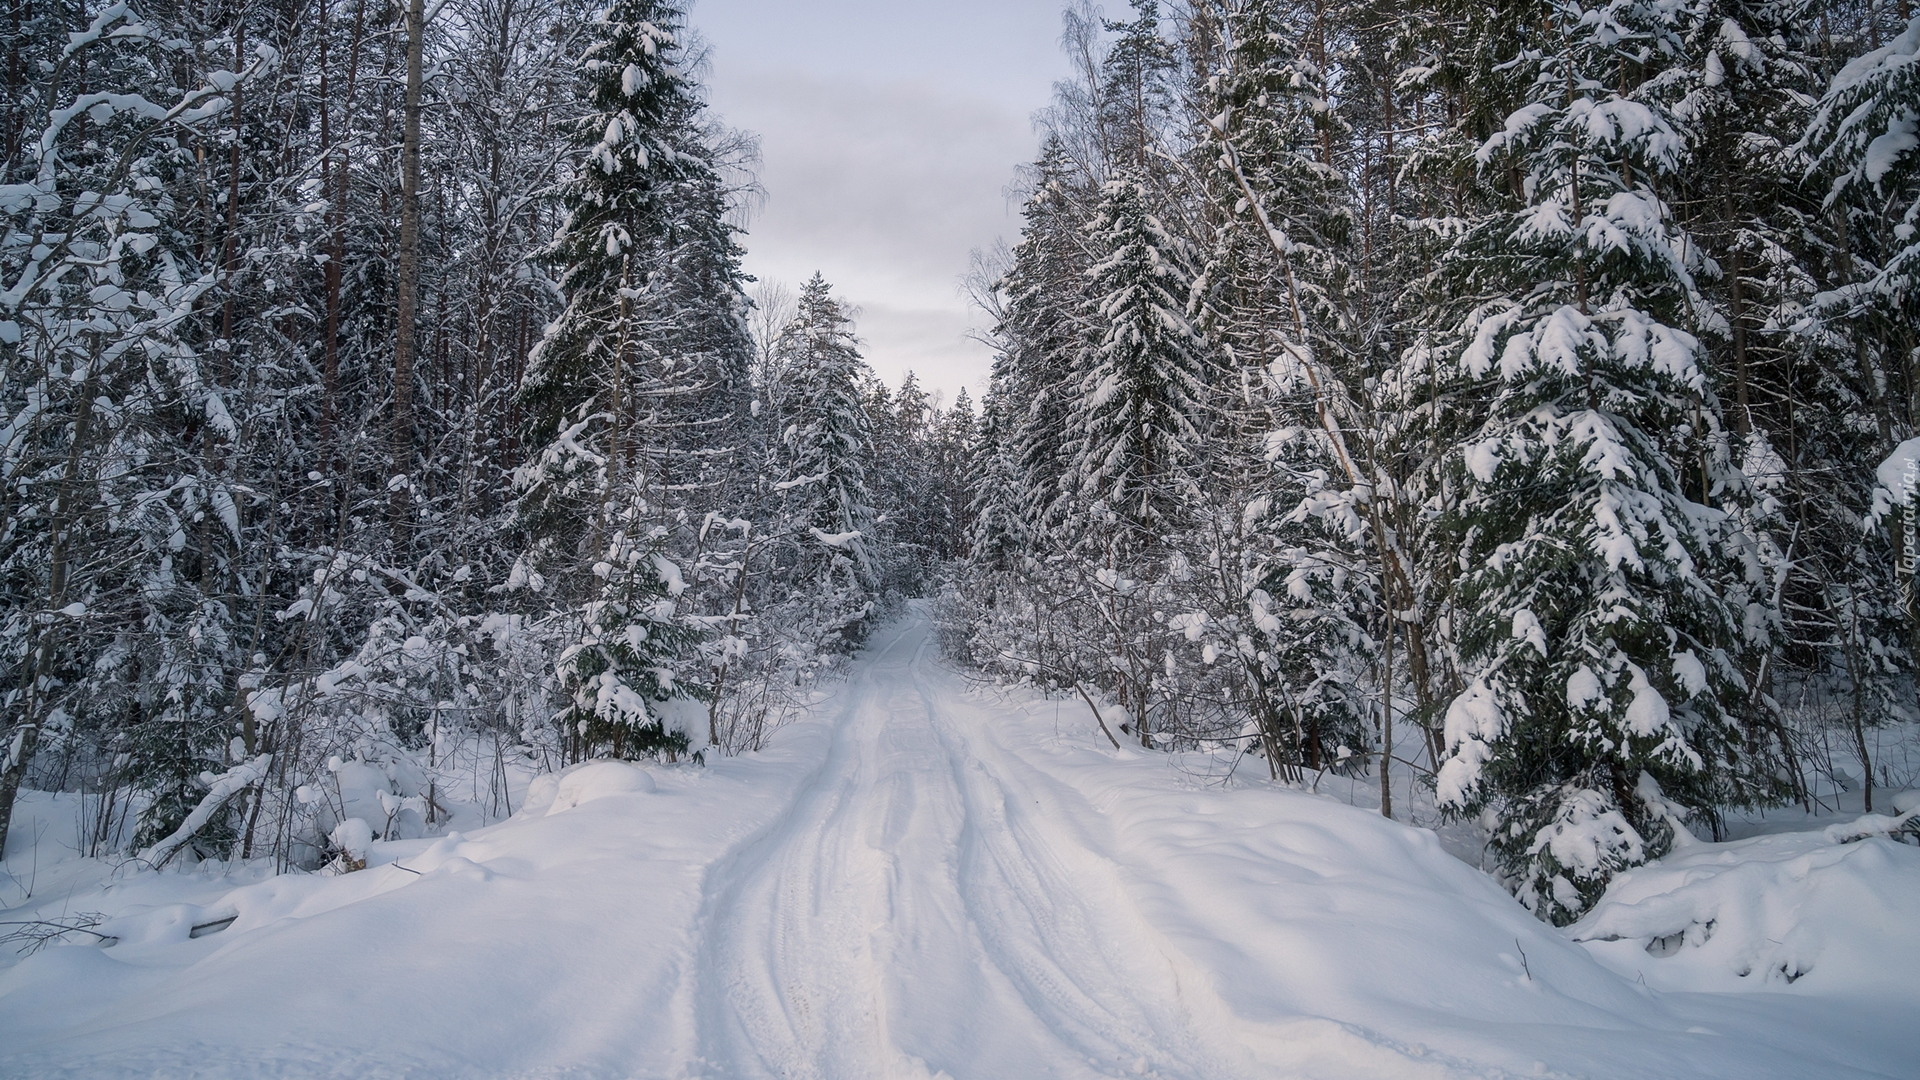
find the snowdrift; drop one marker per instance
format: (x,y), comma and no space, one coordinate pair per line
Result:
(1829,913)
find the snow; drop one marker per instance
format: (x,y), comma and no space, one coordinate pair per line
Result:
(1483,459)
(584,783)
(927,878)
(1647,713)
(1583,686)
(1527,628)
(1886,149)
(1792,913)
(353,836)
(1899,474)
(1474,722)
(835,540)
(1587,835)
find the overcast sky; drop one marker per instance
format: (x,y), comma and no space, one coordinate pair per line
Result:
(889,131)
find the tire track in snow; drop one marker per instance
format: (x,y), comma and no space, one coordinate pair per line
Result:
(909,919)
(935,908)
(1053,913)
(1160,1004)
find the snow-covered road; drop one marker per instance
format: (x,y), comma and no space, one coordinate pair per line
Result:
(927,879)
(929,899)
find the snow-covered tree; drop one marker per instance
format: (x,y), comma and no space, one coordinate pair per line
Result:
(121,518)
(1136,92)
(1043,333)
(626,673)
(1850,616)
(826,449)
(1138,420)
(1601,610)
(1274,300)
(608,360)
(1863,136)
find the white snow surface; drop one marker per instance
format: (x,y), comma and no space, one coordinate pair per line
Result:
(1899,475)
(1761,914)
(928,879)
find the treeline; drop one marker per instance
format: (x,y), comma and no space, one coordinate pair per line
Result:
(383,414)
(1508,376)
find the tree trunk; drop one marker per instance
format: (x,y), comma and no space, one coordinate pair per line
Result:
(18,752)
(401,451)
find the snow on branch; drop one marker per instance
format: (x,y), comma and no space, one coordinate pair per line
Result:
(222,788)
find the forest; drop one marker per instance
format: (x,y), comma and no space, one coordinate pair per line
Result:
(1514,397)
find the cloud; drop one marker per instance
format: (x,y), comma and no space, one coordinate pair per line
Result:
(931,342)
(885,188)
(889,130)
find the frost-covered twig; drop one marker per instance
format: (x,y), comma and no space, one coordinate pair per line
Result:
(38,932)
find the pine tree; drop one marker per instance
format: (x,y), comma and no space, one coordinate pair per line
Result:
(995,528)
(1136,92)
(955,444)
(697,344)
(1136,433)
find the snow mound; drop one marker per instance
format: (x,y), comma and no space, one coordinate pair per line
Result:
(1830,912)
(555,793)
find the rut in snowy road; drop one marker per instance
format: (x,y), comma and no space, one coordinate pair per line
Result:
(955,893)
(923,900)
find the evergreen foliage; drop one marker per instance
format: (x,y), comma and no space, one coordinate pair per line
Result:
(1480,375)
(826,451)
(221,601)
(1138,416)
(627,695)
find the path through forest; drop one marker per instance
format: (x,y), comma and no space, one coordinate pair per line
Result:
(927,879)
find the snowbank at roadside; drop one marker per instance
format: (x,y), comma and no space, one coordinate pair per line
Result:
(1830,912)
(553,939)
(1308,922)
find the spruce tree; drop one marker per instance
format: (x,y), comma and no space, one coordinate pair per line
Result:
(623,677)
(1136,96)
(1864,639)
(826,449)
(1863,138)
(1137,422)
(1136,443)
(609,359)
(1600,609)
(1044,334)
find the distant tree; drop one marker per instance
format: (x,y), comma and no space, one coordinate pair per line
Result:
(826,450)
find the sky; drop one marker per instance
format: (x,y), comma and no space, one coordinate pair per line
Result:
(889,133)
